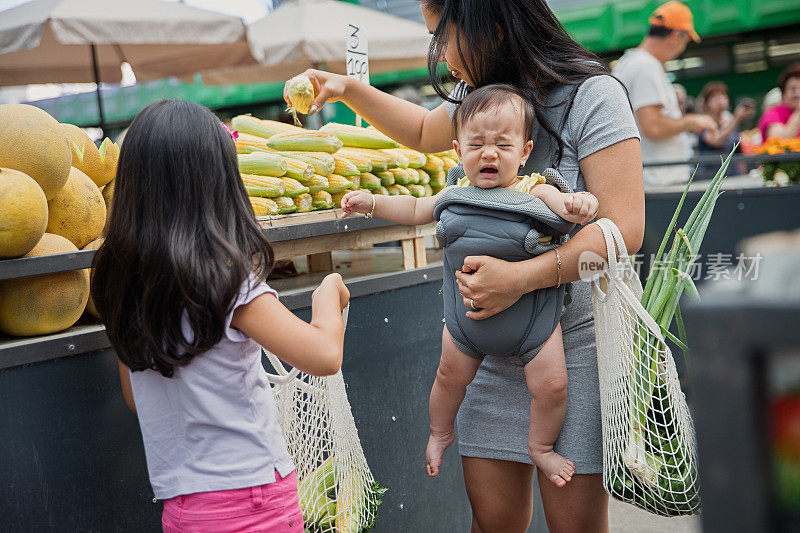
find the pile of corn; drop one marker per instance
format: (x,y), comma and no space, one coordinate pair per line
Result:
(287,169)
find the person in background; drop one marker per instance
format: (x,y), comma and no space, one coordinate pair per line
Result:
(658,115)
(685,103)
(783,120)
(716,104)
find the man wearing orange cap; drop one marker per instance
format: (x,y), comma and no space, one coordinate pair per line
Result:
(662,125)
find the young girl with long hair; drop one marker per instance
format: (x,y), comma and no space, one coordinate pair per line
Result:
(179,283)
(587,131)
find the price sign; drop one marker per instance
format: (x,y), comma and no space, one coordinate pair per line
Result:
(356,56)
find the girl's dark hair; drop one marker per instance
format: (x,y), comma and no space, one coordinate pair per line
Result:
(181,239)
(518,42)
(490,97)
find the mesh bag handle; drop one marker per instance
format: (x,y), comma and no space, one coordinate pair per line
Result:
(622,274)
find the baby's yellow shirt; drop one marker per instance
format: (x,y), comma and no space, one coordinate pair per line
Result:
(524,183)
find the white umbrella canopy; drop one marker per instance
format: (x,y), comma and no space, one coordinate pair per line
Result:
(53,41)
(313,34)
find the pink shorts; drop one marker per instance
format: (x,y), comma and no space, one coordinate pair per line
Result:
(272,508)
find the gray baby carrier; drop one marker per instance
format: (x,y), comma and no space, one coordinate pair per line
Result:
(505,224)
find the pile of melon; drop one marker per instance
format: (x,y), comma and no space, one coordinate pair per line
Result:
(51,202)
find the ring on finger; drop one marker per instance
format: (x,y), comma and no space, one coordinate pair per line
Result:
(472,304)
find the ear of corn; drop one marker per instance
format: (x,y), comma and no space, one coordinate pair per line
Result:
(413,175)
(416,190)
(359,137)
(398,189)
(294,187)
(396,158)
(322,162)
(307,141)
(401,176)
(356,181)
(370,181)
(321,200)
(433,164)
(246,142)
(317,183)
(338,183)
(447,164)
(428,190)
(261,128)
(337,198)
(415,159)
(262,164)
(424,177)
(382,191)
(301,95)
(386,177)
(344,167)
(263,186)
(379,160)
(285,205)
(451,153)
(264,206)
(361,162)
(298,170)
(438,179)
(303,202)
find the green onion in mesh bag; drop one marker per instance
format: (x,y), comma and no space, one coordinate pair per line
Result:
(653,466)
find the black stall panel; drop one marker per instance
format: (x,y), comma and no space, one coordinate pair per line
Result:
(739,213)
(72,456)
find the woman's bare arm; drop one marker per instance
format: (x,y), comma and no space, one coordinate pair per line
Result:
(614,176)
(409,124)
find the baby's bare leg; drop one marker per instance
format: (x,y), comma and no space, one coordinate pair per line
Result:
(546,375)
(456,371)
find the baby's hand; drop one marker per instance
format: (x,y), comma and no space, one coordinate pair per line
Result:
(357,202)
(580,207)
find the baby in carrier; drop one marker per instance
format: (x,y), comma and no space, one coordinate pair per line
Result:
(493,211)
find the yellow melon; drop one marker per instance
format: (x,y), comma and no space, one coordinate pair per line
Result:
(33,142)
(78,211)
(98,164)
(109,156)
(94,245)
(40,305)
(108,195)
(24,209)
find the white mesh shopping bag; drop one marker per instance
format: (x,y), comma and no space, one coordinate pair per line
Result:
(649,451)
(336,488)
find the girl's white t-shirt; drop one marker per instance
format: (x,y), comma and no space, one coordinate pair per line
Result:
(213,425)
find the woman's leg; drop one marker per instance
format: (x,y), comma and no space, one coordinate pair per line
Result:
(500,493)
(456,371)
(580,507)
(546,376)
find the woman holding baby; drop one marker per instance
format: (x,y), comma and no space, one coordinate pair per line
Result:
(584,127)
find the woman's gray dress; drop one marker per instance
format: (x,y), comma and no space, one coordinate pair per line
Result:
(493,420)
